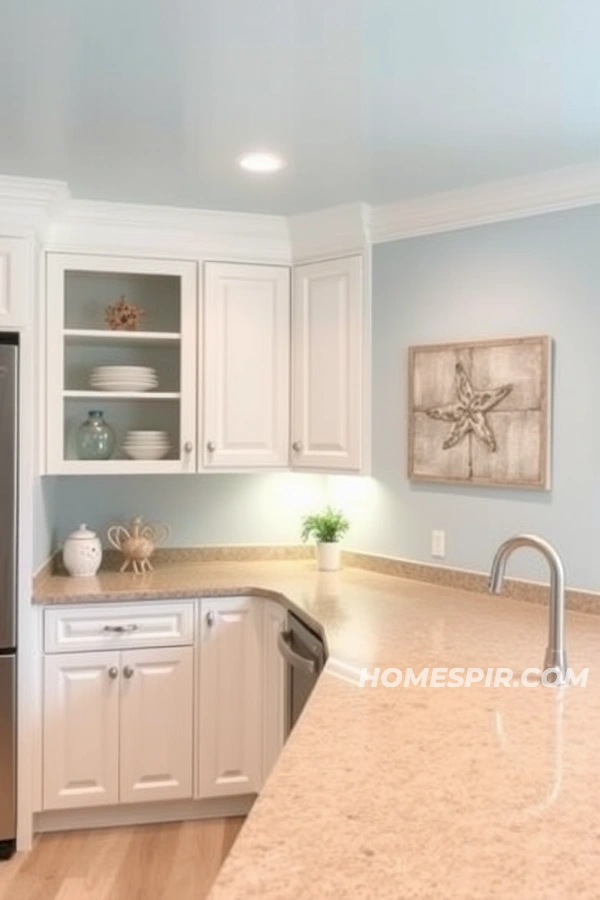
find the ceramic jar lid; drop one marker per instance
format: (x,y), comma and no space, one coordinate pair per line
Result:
(82,533)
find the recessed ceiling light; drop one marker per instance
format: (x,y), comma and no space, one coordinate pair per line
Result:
(262,163)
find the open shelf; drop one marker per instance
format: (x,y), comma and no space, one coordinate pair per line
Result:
(80,287)
(120,395)
(97,335)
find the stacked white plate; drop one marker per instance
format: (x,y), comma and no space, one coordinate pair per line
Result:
(123,378)
(146,444)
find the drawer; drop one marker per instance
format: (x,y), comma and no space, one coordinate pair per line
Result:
(118,626)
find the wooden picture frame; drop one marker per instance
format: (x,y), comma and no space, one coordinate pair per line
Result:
(479,412)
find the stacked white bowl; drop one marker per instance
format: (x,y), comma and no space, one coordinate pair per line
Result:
(146,444)
(123,378)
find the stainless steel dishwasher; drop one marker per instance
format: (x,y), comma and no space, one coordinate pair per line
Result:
(305,655)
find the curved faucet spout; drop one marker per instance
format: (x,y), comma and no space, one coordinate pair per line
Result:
(556,657)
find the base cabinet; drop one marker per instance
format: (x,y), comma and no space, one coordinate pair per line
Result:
(274,685)
(156,724)
(117,727)
(81,730)
(128,724)
(230,697)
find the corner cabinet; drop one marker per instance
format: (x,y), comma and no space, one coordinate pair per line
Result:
(79,289)
(328,365)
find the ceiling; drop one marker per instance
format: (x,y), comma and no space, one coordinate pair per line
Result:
(378,100)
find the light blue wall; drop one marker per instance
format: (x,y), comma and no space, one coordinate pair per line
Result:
(201,509)
(44,513)
(537,275)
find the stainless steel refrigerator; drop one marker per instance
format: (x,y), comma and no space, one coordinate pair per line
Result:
(9,353)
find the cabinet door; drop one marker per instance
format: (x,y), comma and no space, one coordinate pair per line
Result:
(246,366)
(81,730)
(327,365)
(14,299)
(79,289)
(230,732)
(156,724)
(274,685)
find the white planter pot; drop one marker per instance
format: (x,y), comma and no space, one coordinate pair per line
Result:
(328,556)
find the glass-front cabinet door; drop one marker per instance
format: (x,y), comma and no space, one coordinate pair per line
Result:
(121,365)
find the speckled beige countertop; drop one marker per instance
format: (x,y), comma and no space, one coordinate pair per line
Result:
(392,793)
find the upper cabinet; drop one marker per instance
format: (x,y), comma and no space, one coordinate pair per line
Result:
(328,325)
(14,301)
(248,373)
(246,366)
(141,379)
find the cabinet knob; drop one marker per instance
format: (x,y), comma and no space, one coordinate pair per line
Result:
(128,672)
(188,447)
(113,673)
(297,446)
(210,618)
(211,446)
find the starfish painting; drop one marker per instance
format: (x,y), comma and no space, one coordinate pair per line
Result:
(468,415)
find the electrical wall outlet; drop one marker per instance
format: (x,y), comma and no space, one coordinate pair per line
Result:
(438,544)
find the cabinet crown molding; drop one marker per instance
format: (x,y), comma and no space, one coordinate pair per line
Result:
(45,208)
(337,231)
(29,205)
(170,232)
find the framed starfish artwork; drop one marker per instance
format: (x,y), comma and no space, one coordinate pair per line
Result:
(479,412)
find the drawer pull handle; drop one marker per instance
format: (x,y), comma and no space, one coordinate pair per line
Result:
(210,618)
(121,629)
(113,673)
(128,672)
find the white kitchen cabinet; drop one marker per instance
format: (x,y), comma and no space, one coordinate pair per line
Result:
(328,360)
(246,366)
(79,289)
(230,697)
(14,300)
(81,730)
(156,724)
(117,727)
(274,684)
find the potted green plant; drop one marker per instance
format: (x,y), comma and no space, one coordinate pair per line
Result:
(326,528)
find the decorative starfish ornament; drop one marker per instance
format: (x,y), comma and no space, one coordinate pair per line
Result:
(468,415)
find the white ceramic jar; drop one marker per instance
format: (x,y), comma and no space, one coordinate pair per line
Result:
(82,553)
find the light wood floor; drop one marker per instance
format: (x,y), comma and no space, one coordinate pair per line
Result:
(177,861)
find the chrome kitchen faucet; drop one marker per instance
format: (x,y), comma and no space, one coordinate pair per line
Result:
(556,656)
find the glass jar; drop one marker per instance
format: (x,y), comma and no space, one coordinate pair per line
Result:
(95,439)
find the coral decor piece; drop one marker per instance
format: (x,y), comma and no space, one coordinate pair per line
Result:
(137,543)
(123,315)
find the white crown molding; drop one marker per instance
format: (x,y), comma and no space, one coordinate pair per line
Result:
(44,209)
(499,201)
(330,232)
(104,227)
(28,205)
